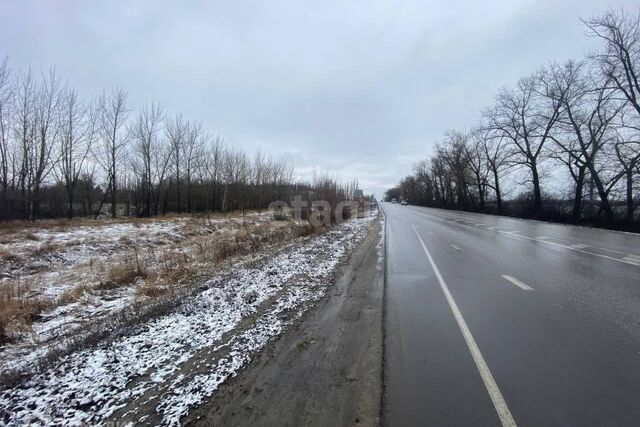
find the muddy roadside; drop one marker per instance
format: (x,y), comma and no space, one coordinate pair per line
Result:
(326,370)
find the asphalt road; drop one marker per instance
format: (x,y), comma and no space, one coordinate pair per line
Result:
(500,321)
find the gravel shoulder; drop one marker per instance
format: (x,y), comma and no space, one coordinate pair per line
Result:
(325,370)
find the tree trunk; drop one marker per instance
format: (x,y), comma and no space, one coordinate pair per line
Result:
(4,214)
(576,215)
(35,203)
(188,194)
(224,197)
(602,192)
(70,203)
(498,193)
(178,192)
(113,193)
(481,189)
(630,195)
(147,198)
(537,193)
(104,198)
(213,196)
(23,201)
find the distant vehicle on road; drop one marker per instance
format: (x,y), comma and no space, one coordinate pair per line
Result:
(403,203)
(394,200)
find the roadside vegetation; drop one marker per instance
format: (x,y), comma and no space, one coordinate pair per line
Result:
(576,123)
(58,278)
(154,329)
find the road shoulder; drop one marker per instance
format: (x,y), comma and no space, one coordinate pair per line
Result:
(324,371)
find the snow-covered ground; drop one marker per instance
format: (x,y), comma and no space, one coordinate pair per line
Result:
(47,253)
(171,363)
(68,269)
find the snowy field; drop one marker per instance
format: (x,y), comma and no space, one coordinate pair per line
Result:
(165,365)
(55,278)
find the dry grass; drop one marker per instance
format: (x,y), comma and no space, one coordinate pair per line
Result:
(160,272)
(62,224)
(19,308)
(41,224)
(73,295)
(156,271)
(206,252)
(46,248)
(151,290)
(123,274)
(7,256)
(30,236)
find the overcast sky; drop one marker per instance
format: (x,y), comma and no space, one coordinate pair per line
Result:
(357,89)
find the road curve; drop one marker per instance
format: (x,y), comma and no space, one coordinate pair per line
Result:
(500,321)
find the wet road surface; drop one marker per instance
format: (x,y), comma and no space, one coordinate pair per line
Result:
(501,321)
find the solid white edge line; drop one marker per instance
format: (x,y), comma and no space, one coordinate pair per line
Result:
(518,283)
(494,392)
(513,235)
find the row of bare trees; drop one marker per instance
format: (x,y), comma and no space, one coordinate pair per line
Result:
(62,155)
(574,125)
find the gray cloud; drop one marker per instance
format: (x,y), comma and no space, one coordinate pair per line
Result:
(355,88)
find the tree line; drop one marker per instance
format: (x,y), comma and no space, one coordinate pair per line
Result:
(577,124)
(61,155)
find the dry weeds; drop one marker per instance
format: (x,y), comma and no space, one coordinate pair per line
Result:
(151,290)
(20,306)
(123,274)
(28,235)
(46,248)
(156,271)
(7,256)
(73,295)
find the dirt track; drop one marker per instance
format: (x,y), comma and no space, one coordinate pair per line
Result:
(324,371)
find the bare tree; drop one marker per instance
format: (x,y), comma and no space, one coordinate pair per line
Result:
(113,115)
(441,180)
(584,115)
(454,154)
(176,131)
(567,150)
(77,135)
(145,133)
(46,129)
(478,163)
(215,150)
(496,155)
(236,173)
(425,191)
(619,63)
(525,116)
(47,110)
(6,95)
(620,60)
(627,149)
(259,171)
(24,128)
(589,108)
(193,146)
